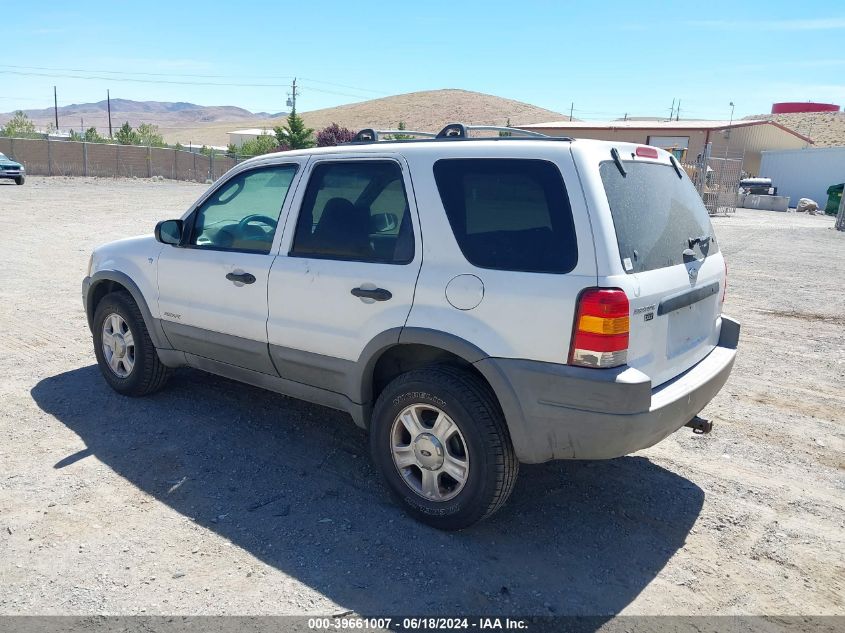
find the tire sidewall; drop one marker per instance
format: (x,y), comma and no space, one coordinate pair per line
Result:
(472,501)
(119,304)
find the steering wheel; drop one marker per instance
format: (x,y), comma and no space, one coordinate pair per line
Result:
(257,217)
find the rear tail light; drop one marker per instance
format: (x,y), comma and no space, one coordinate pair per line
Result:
(600,337)
(725,283)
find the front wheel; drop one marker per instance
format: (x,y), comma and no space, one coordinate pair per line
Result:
(125,353)
(440,440)
(19,180)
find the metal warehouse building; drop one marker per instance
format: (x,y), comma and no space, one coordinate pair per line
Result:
(805,173)
(687,139)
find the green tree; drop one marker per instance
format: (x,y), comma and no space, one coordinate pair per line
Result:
(507,124)
(126,135)
(263,144)
(294,134)
(401,137)
(148,134)
(19,126)
(91,135)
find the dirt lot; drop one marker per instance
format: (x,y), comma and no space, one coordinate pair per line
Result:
(212,497)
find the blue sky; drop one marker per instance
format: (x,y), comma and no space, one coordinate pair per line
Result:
(609,58)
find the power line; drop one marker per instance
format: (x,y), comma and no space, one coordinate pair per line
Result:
(177,83)
(128,76)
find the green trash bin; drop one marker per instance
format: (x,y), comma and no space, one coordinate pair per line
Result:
(834,197)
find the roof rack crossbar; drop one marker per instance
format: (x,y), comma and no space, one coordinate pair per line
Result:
(371,135)
(459,130)
(503,128)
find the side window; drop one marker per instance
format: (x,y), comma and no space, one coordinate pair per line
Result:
(509,214)
(243,213)
(355,210)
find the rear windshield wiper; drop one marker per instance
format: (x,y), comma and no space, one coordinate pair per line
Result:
(676,166)
(614,153)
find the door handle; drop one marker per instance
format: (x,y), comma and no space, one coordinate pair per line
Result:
(379,294)
(244,278)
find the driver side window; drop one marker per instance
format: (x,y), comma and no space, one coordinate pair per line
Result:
(243,213)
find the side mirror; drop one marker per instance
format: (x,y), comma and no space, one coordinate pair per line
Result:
(169,232)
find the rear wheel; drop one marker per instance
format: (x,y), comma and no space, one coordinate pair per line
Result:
(440,440)
(125,353)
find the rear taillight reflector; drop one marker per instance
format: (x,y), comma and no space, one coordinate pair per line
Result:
(600,337)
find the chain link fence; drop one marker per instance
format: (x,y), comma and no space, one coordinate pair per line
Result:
(45,157)
(716,176)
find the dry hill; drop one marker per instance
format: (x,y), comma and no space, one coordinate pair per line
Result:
(428,110)
(168,116)
(825,128)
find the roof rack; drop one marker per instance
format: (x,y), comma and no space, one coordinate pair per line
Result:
(451,131)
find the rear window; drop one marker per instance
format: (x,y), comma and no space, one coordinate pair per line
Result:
(509,214)
(656,214)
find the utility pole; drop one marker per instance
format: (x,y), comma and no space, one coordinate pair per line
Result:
(56,108)
(672,110)
(108,105)
(292,96)
(678,111)
(730,124)
(725,157)
(571,109)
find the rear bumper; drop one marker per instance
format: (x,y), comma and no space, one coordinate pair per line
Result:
(563,412)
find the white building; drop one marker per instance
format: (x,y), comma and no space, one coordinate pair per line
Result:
(804,173)
(196,149)
(239,137)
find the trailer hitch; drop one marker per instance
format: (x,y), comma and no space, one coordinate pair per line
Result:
(700,426)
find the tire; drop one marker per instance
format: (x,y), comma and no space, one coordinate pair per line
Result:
(20,180)
(140,372)
(480,448)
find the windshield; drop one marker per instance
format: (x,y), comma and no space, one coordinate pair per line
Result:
(657,215)
(3,156)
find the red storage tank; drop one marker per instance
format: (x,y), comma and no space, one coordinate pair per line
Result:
(787,107)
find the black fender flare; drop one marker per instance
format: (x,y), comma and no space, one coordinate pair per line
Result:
(471,353)
(157,335)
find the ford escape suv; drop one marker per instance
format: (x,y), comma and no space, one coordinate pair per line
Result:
(473,303)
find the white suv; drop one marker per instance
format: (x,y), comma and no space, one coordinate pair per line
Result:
(472,302)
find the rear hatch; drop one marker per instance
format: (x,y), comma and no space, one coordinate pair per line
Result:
(673,271)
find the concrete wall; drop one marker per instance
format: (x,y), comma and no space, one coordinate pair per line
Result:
(70,158)
(805,173)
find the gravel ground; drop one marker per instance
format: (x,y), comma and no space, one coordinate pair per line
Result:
(215,498)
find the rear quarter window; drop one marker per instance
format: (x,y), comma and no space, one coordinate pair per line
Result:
(509,214)
(655,214)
